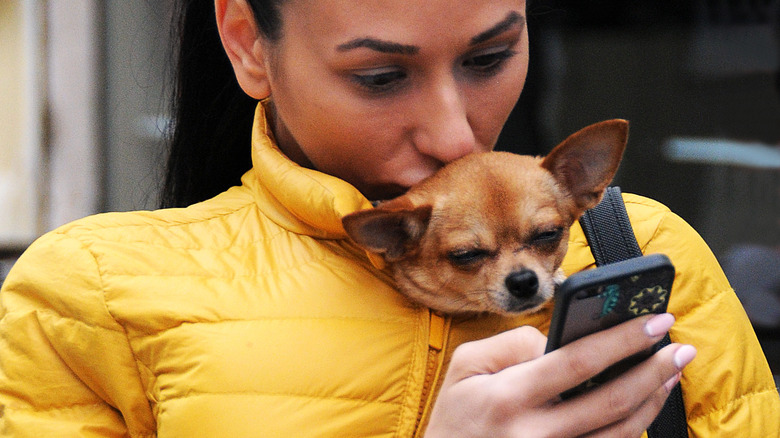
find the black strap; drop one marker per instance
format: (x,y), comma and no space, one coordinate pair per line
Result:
(611,239)
(671,422)
(609,231)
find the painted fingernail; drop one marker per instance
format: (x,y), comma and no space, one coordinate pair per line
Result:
(659,325)
(669,385)
(683,356)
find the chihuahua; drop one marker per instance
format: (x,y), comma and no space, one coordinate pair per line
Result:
(489,231)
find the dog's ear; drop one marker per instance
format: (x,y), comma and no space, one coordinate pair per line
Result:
(586,162)
(391,232)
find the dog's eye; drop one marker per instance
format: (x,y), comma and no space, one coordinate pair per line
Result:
(466,257)
(550,236)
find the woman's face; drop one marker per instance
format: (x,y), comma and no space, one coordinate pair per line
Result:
(382,93)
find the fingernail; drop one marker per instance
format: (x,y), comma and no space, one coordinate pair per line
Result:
(659,325)
(683,356)
(669,385)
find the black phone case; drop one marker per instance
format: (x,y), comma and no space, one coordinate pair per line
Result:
(597,299)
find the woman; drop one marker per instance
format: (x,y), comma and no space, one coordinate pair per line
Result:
(251,313)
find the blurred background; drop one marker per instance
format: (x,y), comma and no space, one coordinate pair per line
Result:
(699,82)
(84,90)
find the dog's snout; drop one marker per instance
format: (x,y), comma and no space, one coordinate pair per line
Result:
(522,284)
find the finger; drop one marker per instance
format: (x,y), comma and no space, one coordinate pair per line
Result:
(498,352)
(623,397)
(587,357)
(641,419)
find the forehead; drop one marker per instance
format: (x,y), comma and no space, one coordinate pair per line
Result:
(500,194)
(515,197)
(488,222)
(403,21)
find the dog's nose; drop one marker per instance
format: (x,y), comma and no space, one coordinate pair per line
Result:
(522,284)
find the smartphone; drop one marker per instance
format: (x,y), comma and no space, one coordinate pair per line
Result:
(597,299)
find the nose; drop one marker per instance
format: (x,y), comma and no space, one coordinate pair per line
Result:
(522,284)
(444,131)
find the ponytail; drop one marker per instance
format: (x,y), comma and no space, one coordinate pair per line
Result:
(209,143)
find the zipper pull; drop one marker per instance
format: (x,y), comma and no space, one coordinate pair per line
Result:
(436,332)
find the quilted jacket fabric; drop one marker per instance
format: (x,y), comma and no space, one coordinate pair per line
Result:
(251,315)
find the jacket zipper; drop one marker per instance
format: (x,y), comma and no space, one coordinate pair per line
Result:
(436,338)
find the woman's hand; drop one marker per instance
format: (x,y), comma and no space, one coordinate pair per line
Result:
(505,386)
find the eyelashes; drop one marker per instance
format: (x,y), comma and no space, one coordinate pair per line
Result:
(380,80)
(385,80)
(488,63)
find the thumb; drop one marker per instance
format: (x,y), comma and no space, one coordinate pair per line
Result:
(498,352)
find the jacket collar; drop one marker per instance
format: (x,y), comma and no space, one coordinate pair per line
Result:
(301,200)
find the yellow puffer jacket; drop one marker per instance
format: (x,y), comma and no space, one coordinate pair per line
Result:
(251,315)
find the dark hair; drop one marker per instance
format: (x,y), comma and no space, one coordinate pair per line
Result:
(268,18)
(209,143)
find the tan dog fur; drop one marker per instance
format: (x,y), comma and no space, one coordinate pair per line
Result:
(478,234)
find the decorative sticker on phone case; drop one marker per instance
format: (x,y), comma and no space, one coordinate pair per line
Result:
(610,295)
(647,300)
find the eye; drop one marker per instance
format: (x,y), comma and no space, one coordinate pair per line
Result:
(488,61)
(547,237)
(464,258)
(379,80)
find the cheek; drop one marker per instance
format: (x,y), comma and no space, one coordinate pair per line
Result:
(354,152)
(334,140)
(560,253)
(492,104)
(321,121)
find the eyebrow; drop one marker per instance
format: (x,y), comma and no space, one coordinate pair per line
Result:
(379,46)
(512,19)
